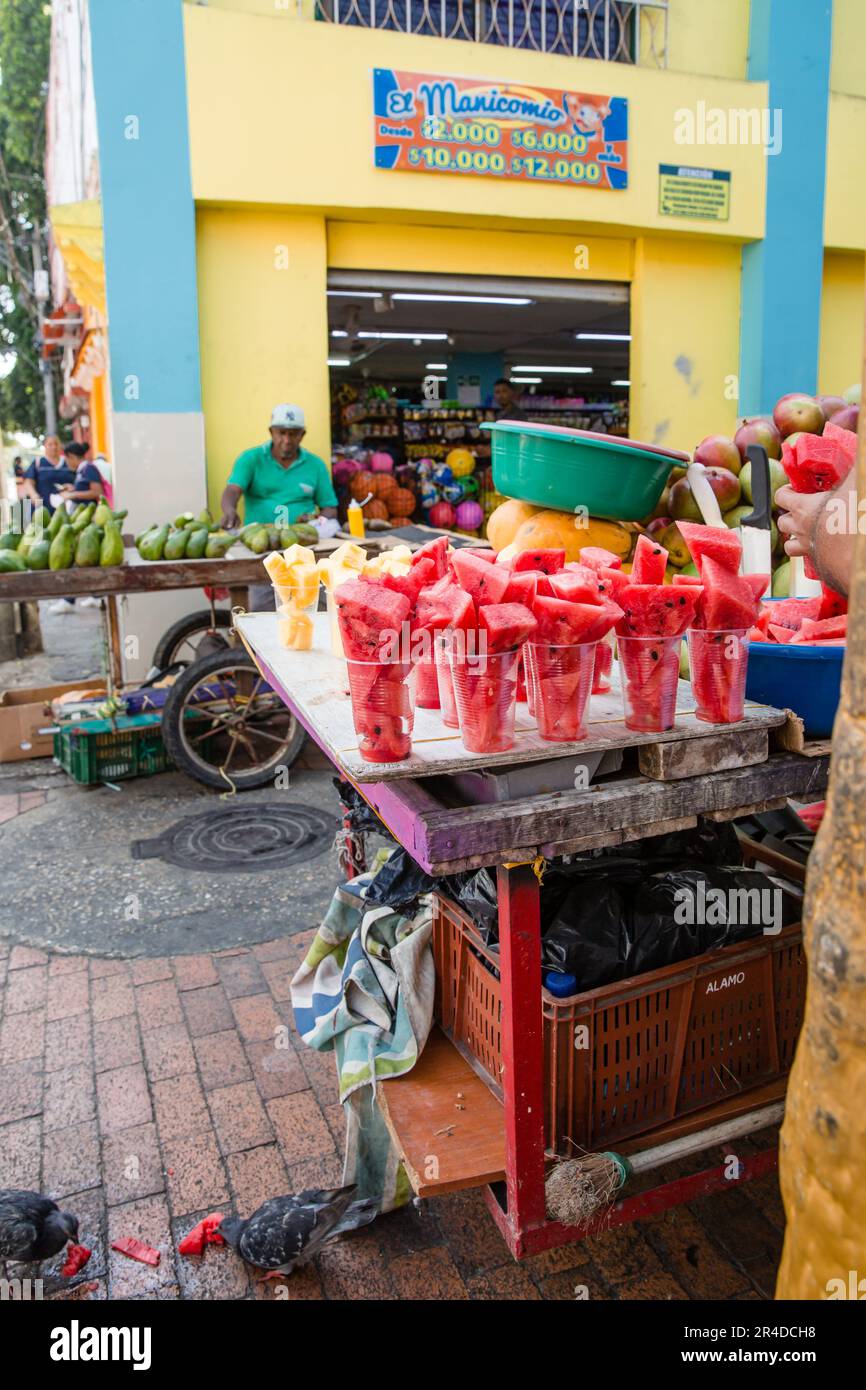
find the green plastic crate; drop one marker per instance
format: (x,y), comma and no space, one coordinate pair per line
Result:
(95,750)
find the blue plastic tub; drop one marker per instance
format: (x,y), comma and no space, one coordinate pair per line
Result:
(804,679)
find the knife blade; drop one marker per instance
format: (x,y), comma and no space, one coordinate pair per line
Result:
(755,529)
(703,494)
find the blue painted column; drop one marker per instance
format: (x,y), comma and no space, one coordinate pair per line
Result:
(789,47)
(487,366)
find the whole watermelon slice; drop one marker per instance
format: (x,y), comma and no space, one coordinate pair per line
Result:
(562,624)
(548,561)
(649,562)
(658,610)
(485,583)
(507,625)
(370,617)
(716,542)
(728,602)
(597,558)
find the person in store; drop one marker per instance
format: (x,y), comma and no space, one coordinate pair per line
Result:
(18,471)
(817,525)
(280,482)
(47,474)
(506,401)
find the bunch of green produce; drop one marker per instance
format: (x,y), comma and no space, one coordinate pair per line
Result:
(91,536)
(260,538)
(185,538)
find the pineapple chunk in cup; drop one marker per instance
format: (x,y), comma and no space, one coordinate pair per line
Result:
(294,629)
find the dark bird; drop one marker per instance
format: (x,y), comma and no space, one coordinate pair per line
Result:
(285,1232)
(32,1227)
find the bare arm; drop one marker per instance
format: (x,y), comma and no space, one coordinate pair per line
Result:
(91,493)
(824,527)
(229,505)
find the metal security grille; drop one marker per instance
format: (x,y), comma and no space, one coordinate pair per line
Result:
(617,31)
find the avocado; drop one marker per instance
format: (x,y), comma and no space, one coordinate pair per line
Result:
(11,562)
(37,555)
(175,546)
(87,547)
(10,540)
(111,550)
(80,520)
(195,546)
(62,550)
(153,544)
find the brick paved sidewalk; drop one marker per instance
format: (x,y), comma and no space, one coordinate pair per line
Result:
(148,1093)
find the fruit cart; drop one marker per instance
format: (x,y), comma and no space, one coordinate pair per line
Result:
(479,1107)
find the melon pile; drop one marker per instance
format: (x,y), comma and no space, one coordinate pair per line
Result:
(813,622)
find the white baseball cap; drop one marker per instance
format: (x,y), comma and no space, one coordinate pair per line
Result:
(288,417)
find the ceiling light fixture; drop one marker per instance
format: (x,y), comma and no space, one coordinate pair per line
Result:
(620,383)
(339,361)
(548,370)
(463,298)
(605,337)
(436,366)
(419,337)
(525,380)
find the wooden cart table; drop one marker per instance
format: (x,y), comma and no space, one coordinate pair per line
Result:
(667,782)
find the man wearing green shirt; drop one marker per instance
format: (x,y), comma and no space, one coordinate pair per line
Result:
(280,482)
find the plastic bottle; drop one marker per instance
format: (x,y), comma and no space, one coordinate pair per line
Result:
(555,982)
(356,517)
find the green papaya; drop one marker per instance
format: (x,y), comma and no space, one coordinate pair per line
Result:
(204,518)
(258,542)
(121,516)
(102,514)
(62,550)
(83,518)
(195,546)
(37,555)
(59,519)
(24,544)
(306,534)
(111,550)
(175,546)
(154,526)
(181,519)
(10,540)
(41,519)
(153,545)
(217,545)
(11,562)
(87,547)
(288,536)
(78,511)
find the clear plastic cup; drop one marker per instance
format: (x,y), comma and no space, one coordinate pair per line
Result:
(302,596)
(562,679)
(427,679)
(294,628)
(383,708)
(447,702)
(603,665)
(649,671)
(718,663)
(485,689)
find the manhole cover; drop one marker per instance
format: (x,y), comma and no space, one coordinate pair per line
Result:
(242,839)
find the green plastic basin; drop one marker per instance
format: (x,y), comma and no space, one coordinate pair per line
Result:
(551,466)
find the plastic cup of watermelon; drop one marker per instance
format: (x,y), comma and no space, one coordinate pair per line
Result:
(383,708)
(485,690)
(427,680)
(649,671)
(603,665)
(526,679)
(718,662)
(447,701)
(562,679)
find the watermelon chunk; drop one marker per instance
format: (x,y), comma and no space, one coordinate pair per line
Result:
(481,552)
(657,610)
(649,562)
(370,616)
(563,624)
(758,583)
(781,634)
(728,603)
(444,604)
(602,668)
(718,662)
(845,440)
(816,463)
(611,582)
(693,579)
(650,672)
(832,604)
(757,634)
(485,691)
(542,584)
(717,542)
(597,558)
(789,612)
(576,587)
(522,588)
(507,625)
(548,561)
(609,614)
(823,627)
(438,551)
(485,583)
(411,584)
(563,677)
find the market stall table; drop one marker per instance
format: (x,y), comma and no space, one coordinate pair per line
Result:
(695,770)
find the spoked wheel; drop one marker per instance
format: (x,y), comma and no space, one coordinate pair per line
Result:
(224,725)
(198,634)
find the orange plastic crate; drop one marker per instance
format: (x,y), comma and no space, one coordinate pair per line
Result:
(636,1054)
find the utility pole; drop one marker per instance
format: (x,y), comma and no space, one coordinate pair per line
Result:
(42,293)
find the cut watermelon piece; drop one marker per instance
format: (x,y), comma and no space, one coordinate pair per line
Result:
(757,634)
(816,463)
(781,634)
(507,625)
(824,627)
(562,624)
(522,588)
(444,605)
(727,603)
(602,668)
(789,612)
(575,587)
(485,583)
(650,670)
(718,663)
(845,440)
(597,558)
(657,610)
(481,552)
(426,682)
(715,542)
(485,690)
(411,584)
(687,579)
(832,604)
(543,586)
(611,583)
(548,561)
(563,677)
(649,562)
(371,618)
(609,614)
(438,551)
(758,583)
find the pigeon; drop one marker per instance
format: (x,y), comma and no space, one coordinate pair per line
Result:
(285,1232)
(32,1227)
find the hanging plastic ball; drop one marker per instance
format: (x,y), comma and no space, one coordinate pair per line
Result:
(380,462)
(460,461)
(470,486)
(442,515)
(469,515)
(429,495)
(442,475)
(453,492)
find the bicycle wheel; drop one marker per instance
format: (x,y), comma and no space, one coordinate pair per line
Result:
(181,642)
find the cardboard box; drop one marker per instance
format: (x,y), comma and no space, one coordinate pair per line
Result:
(23,712)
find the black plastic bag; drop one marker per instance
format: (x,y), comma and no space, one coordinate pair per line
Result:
(361,816)
(400,882)
(708,842)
